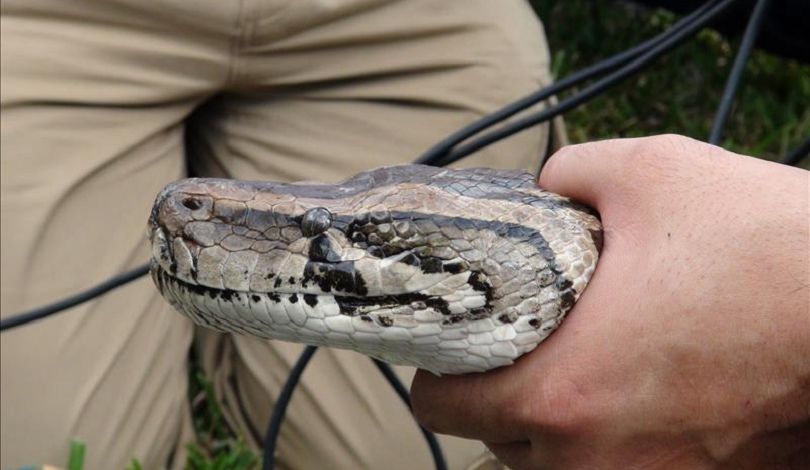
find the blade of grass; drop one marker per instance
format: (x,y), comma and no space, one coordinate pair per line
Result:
(76,459)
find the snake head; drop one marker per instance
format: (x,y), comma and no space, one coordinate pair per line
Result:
(448,270)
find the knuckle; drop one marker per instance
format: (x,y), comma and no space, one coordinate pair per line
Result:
(665,148)
(659,158)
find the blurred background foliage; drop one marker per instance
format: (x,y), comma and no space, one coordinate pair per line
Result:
(681,91)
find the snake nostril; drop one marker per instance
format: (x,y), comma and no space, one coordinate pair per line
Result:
(192,203)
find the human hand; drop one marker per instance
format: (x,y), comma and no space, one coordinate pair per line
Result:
(690,346)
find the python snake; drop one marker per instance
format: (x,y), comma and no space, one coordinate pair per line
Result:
(452,271)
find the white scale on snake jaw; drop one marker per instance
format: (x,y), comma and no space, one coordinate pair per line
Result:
(452,271)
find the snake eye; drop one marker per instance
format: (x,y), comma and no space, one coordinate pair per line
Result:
(315,221)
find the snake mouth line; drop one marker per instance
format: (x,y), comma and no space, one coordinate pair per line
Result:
(350,305)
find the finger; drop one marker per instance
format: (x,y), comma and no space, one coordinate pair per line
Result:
(473,406)
(535,396)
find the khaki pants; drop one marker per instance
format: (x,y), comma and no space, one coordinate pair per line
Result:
(101,102)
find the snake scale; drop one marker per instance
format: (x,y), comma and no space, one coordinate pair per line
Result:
(452,271)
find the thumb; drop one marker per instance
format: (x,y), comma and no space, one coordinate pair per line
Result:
(591,172)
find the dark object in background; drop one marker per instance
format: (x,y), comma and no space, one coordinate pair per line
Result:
(785,29)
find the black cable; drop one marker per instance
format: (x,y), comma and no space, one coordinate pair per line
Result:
(734,78)
(280,408)
(796,155)
(74,300)
(432,155)
(591,91)
(435,449)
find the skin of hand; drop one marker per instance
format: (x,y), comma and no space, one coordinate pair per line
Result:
(690,348)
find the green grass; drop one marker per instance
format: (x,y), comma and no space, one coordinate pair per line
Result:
(217,446)
(76,457)
(680,92)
